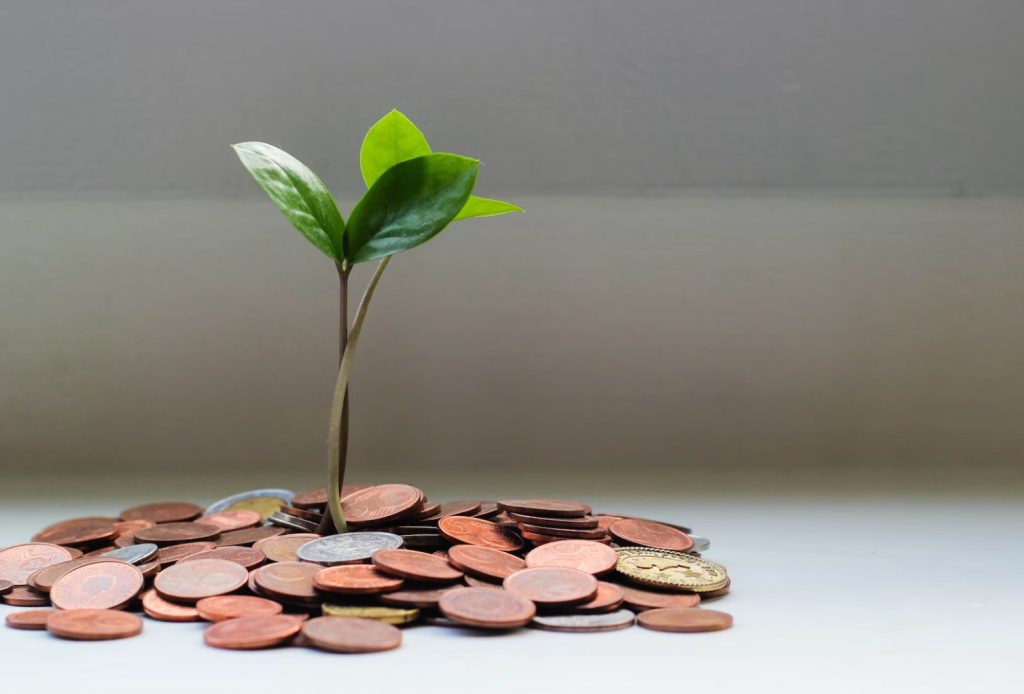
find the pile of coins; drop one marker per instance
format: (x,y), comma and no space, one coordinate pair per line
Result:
(253,566)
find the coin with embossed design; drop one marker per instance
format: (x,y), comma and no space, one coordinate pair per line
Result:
(416,566)
(163,512)
(381,504)
(246,557)
(290,580)
(44,579)
(351,634)
(678,619)
(487,608)
(670,570)
(347,548)
(232,520)
(93,625)
(483,562)
(633,531)
(480,532)
(265,501)
(607,621)
(19,562)
(583,555)
(548,587)
(105,585)
(188,582)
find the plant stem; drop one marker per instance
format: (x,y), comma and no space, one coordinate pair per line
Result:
(327,525)
(335,461)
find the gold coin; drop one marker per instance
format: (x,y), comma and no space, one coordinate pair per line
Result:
(388,615)
(670,570)
(264,505)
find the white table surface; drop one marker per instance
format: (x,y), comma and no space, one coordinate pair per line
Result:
(828,596)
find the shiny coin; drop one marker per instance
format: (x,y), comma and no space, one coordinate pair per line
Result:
(232,520)
(188,582)
(93,625)
(351,634)
(223,607)
(135,554)
(571,533)
(416,566)
(348,548)
(429,510)
(175,553)
(426,598)
(177,533)
(485,563)
(163,512)
(585,523)
(249,536)
(582,555)
(631,531)
(291,580)
(382,504)
(283,548)
(700,544)
(252,632)
(455,508)
(23,596)
(158,608)
(479,532)
(677,619)
(640,600)
(669,570)
(609,597)
(550,587)
(44,579)
(19,562)
(246,557)
(355,579)
(544,508)
(388,615)
(29,620)
(81,531)
(608,621)
(105,585)
(424,543)
(265,501)
(486,608)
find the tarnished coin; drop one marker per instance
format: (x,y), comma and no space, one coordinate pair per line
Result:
(609,597)
(248,536)
(571,533)
(700,544)
(177,533)
(81,531)
(105,585)
(175,553)
(545,508)
(348,548)
(165,611)
(351,634)
(222,607)
(252,632)
(486,608)
(265,501)
(292,580)
(189,582)
(583,555)
(631,531)
(283,520)
(476,531)
(28,620)
(283,548)
(355,579)
(232,520)
(136,554)
(584,523)
(246,557)
(388,615)
(93,625)
(44,579)
(484,562)
(23,596)
(426,598)
(7,586)
(607,621)
(678,619)
(163,512)
(19,562)
(669,570)
(548,587)
(639,600)
(382,504)
(415,566)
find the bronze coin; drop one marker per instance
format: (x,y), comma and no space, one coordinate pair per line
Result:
(639,600)
(476,531)
(474,582)
(163,512)
(29,620)
(160,609)
(351,634)
(429,509)
(105,549)
(716,593)
(23,596)
(585,523)
(311,498)
(175,553)
(105,585)
(583,555)
(283,548)
(19,562)
(604,521)
(484,562)
(381,504)
(233,520)
(249,536)
(487,608)
(93,625)
(609,597)
(81,531)
(302,513)
(246,557)
(44,579)
(188,582)
(549,587)
(572,533)
(548,508)
(252,632)
(415,566)
(456,508)
(632,531)
(222,607)
(7,586)
(355,579)
(422,598)
(177,533)
(443,553)
(125,540)
(131,526)
(149,569)
(487,509)
(292,580)
(683,619)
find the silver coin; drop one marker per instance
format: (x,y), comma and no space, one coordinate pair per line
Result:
(348,548)
(134,554)
(700,544)
(286,520)
(282,494)
(605,621)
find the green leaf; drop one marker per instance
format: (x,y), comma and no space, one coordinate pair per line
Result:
(485,207)
(301,196)
(392,140)
(409,205)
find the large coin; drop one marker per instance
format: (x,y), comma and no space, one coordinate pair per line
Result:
(479,532)
(633,531)
(263,500)
(93,625)
(582,555)
(550,587)
(189,582)
(351,634)
(19,562)
(348,548)
(684,619)
(609,621)
(671,570)
(487,608)
(104,585)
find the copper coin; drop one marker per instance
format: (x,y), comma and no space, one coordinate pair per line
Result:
(639,600)
(474,582)
(487,608)
(609,597)
(75,552)
(604,521)
(93,625)
(283,548)
(149,569)
(223,607)
(44,579)
(19,562)
(716,593)
(355,579)
(422,598)
(163,512)
(484,562)
(289,579)
(632,531)
(351,634)
(476,531)
(126,539)
(585,523)
(311,498)
(177,533)
(104,585)
(165,611)
(23,596)
(456,508)
(248,536)
(175,553)
(233,520)
(29,620)
(131,526)
(381,504)
(548,508)
(572,533)
(682,619)
(188,582)
(538,539)
(415,566)
(106,549)
(487,509)
(252,632)
(605,621)
(582,555)
(429,510)
(7,586)
(246,557)
(548,587)
(443,553)
(302,513)
(82,531)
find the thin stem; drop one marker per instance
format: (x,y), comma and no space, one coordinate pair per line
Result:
(334,462)
(327,524)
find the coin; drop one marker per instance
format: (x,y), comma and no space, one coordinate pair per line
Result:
(630,531)
(288,579)
(585,523)
(44,579)
(301,513)
(23,596)
(125,540)
(175,533)
(7,586)
(388,615)
(484,562)
(175,553)
(351,634)
(476,531)
(283,548)
(105,549)
(548,587)
(486,608)
(700,544)
(487,509)
(81,531)
(608,621)
(424,543)
(382,504)
(639,600)
(232,520)
(165,611)
(609,597)
(284,520)
(716,593)
(104,585)
(29,620)
(246,557)
(75,552)
(163,512)
(248,536)
(93,625)
(149,569)
(429,509)
(136,554)
(124,527)
(252,632)
(266,501)
(311,498)
(456,508)
(474,582)
(222,607)
(415,566)
(355,579)
(426,598)
(348,548)
(672,570)
(188,582)
(582,555)
(19,562)
(680,619)
(545,508)
(572,533)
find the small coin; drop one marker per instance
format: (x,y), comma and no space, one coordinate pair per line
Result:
(545,508)
(232,520)
(429,510)
(639,600)
(93,625)
(585,523)
(165,611)
(631,531)
(135,554)
(355,579)
(292,580)
(456,508)
(716,593)
(681,619)
(700,544)
(19,562)
(75,552)
(486,608)
(125,540)
(382,504)
(474,582)
(248,536)
(669,570)
(607,621)
(175,553)
(351,634)
(105,585)
(7,586)
(487,509)
(105,549)
(484,562)
(175,533)
(283,520)
(163,512)
(302,513)
(81,531)
(583,555)
(252,632)
(188,582)
(29,620)
(266,501)
(476,531)
(311,498)
(388,615)
(609,597)
(549,587)
(23,596)
(415,566)
(246,557)
(124,527)
(283,548)
(44,579)
(572,533)
(149,569)
(348,548)
(222,607)
(425,598)
(424,543)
